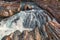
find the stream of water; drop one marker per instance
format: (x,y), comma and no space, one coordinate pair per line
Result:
(24,20)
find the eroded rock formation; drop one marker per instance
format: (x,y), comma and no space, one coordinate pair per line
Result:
(50,31)
(52,6)
(44,25)
(8,8)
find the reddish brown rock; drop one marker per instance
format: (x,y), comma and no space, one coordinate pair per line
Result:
(51,6)
(47,32)
(9,8)
(27,7)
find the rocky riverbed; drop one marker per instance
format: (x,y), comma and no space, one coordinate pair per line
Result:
(32,24)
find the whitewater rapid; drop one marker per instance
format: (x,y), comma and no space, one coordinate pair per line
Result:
(24,20)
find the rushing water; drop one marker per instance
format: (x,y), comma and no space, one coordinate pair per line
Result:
(24,20)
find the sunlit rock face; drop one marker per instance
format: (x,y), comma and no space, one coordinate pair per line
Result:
(24,20)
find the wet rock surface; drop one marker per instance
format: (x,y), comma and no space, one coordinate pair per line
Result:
(52,6)
(32,23)
(48,32)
